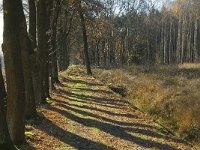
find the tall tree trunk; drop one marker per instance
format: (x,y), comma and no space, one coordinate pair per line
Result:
(5,141)
(178,51)
(183,44)
(97,53)
(85,40)
(34,57)
(170,42)
(195,40)
(53,50)
(43,48)
(32,22)
(27,54)
(14,25)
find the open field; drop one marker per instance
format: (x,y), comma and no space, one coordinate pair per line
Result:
(169,93)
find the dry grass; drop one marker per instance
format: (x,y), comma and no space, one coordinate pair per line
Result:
(85,114)
(169,93)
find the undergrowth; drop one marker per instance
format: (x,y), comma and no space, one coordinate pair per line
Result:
(169,93)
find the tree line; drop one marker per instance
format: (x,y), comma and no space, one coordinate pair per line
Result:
(31,59)
(139,32)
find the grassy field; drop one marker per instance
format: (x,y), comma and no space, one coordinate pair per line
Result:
(169,93)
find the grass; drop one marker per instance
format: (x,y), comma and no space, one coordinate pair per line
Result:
(169,93)
(85,114)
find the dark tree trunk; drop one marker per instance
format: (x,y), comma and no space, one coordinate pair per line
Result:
(53,50)
(43,24)
(14,25)
(5,141)
(85,40)
(34,57)
(32,22)
(97,53)
(27,54)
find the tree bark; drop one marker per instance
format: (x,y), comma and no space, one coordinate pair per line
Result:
(14,24)
(32,22)
(53,50)
(85,39)
(195,40)
(5,141)
(43,49)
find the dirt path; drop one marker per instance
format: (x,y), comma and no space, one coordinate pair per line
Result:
(84,114)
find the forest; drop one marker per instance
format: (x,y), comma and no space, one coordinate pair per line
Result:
(100,74)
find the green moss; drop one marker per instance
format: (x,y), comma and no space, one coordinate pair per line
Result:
(29,135)
(96,131)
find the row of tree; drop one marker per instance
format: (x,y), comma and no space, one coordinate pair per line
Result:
(31,58)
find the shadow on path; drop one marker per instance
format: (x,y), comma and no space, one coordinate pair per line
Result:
(116,131)
(69,138)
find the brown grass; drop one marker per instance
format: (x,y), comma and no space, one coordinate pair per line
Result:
(85,114)
(169,93)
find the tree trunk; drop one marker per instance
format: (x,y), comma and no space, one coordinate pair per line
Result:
(32,22)
(53,50)
(85,40)
(34,57)
(178,51)
(5,141)
(14,25)
(183,44)
(42,30)
(195,40)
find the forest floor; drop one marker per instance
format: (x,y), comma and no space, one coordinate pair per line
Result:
(85,114)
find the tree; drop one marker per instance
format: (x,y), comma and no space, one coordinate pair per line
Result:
(32,22)
(5,141)
(34,57)
(53,51)
(14,28)
(43,26)
(85,38)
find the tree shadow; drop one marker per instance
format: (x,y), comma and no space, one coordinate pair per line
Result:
(129,126)
(85,113)
(116,130)
(93,90)
(25,146)
(77,81)
(70,138)
(101,100)
(96,109)
(85,101)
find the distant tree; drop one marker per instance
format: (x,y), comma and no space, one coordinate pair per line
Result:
(85,38)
